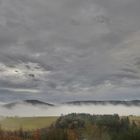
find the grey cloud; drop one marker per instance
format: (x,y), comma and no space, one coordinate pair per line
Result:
(126,75)
(81,43)
(137,62)
(130,70)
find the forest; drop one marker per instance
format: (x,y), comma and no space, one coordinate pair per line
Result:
(80,127)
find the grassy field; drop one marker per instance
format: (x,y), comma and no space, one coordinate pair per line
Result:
(26,123)
(31,123)
(136,119)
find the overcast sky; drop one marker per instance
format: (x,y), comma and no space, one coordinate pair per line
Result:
(61,50)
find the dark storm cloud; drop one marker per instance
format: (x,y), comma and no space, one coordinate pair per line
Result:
(66,49)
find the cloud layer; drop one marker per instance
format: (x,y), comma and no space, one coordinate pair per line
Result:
(59,50)
(24,110)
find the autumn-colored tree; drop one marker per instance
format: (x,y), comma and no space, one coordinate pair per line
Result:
(72,135)
(1,133)
(36,135)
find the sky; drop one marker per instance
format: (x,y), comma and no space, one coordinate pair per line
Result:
(63,50)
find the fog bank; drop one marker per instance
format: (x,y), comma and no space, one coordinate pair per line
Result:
(26,110)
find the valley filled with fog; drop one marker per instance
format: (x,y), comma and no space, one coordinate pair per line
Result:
(29,110)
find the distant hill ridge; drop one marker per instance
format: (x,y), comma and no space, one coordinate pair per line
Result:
(113,102)
(36,102)
(27,102)
(86,102)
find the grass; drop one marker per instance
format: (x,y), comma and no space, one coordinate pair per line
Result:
(26,123)
(136,119)
(31,123)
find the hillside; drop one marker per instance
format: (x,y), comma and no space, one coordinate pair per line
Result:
(73,127)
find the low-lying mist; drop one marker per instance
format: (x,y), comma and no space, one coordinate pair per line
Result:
(28,110)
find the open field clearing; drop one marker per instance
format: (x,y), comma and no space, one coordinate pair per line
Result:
(136,119)
(30,123)
(26,123)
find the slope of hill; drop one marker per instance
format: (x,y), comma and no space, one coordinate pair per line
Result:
(27,102)
(72,127)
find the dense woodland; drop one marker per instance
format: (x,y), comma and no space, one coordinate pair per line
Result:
(80,127)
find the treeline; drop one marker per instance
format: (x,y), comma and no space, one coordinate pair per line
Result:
(100,127)
(80,127)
